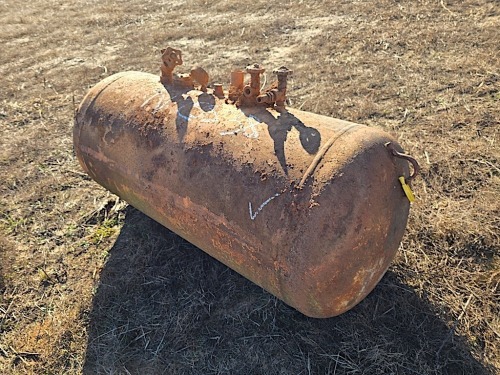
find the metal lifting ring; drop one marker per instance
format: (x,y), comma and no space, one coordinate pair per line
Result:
(413,162)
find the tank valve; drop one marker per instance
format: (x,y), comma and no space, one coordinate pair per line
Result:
(253,89)
(171,58)
(236,86)
(276,95)
(239,93)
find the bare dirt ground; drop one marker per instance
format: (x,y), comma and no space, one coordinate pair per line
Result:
(91,285)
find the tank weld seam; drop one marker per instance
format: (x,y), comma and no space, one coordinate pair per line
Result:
(93,100)
(319,156)
(158,92)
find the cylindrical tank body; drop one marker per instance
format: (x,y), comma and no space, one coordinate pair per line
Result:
(306,206)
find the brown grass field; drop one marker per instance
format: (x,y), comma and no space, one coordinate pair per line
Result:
(91,285)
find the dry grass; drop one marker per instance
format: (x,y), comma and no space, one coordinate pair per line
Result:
(90,285)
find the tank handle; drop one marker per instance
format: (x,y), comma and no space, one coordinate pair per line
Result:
(412,160)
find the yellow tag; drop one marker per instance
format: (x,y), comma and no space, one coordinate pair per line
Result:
(407,189)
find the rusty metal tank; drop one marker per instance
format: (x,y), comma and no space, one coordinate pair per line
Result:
(309,207)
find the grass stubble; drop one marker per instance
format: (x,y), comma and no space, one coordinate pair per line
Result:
(91,285)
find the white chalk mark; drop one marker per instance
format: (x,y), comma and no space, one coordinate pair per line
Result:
(249,130)
(159,106)
(189,116)
(184,117)
(252,121)
(214,119)
(254,118)
(161,102)
(253,215)
(164,100)
(196,105)
(231,132)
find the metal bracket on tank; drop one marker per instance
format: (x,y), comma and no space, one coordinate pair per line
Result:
(405,182)
(411,159)
(276,94)
(240,93)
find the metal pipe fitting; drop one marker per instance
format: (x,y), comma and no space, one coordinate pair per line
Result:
(255,70)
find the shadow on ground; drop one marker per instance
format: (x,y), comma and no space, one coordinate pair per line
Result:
(165,307)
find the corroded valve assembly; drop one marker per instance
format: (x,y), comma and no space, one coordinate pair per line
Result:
(239,93)
(309,207)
